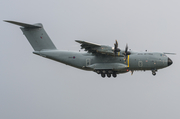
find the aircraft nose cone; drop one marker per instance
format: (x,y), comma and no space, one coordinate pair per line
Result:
(169,61)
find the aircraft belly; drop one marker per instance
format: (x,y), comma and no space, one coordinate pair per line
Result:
(106,66)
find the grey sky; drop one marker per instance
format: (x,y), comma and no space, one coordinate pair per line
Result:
(32,87)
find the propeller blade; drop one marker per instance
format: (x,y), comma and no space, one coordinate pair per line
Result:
(116,44)
(126,48)
(116,49)
(125,58)
(126,53)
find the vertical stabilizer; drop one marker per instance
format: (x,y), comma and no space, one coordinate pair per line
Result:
(36,35)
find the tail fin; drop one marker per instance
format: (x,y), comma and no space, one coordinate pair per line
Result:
(36,35)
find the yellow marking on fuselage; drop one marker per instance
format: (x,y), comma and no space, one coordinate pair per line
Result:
(128,61)
(118,53)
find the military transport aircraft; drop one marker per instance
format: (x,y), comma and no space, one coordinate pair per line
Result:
(105,60)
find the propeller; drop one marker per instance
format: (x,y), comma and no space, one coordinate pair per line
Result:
(116,49)
(126,52)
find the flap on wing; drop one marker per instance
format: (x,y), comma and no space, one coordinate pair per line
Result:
(113,66)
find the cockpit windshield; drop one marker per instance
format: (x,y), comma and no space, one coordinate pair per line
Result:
(163,55)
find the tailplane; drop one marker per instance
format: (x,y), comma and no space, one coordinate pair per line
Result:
(36,35)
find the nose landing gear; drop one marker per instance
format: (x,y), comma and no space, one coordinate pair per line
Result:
(154,72)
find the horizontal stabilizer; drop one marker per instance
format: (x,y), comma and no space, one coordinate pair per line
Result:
(169,53)
(24,24)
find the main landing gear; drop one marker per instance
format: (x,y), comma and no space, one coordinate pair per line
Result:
(108,73)
(103,75)
(114,75)
(154,72)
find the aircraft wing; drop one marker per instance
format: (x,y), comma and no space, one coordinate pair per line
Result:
(90,47)
(95,48)
(85,43)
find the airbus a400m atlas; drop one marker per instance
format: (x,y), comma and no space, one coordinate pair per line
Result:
(105,60)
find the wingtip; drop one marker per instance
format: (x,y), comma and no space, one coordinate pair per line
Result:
(5,20)
(78,40)
(8,21)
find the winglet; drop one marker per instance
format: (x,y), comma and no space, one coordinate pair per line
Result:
(24,24)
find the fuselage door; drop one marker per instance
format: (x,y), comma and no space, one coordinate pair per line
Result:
(140,64)
(88,62)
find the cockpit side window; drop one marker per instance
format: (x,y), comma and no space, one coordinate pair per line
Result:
(163,55)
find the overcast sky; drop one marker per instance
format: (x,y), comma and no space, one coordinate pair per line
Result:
(32,87)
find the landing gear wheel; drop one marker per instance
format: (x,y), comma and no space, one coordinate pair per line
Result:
(98,72)
(108,75)
(103,75)
(153,73)
(114,75)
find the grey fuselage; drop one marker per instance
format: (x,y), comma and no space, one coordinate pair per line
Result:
(104,60)
(84,61)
